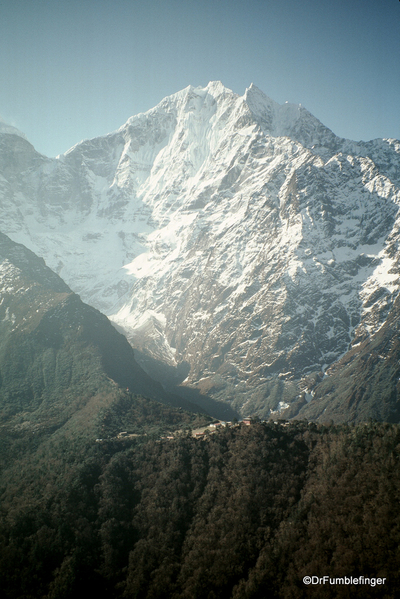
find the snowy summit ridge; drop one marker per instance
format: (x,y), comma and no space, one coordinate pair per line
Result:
(229,233)
(10,129)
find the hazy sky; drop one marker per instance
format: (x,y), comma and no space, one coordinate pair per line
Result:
(75,69)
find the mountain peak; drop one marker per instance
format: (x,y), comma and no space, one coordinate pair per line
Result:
(227,233)
(217,88)
(288,120)
(254,94)
(10,129)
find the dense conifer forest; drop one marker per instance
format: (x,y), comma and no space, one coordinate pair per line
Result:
(244,513)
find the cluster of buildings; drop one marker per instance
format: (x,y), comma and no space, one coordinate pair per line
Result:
(215,426)
(200,433)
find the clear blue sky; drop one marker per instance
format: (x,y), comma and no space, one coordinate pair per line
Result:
(75,69)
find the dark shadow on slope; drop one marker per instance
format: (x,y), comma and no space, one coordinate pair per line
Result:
(119,363)
(171,379)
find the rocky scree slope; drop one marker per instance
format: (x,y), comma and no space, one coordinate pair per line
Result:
(231,236)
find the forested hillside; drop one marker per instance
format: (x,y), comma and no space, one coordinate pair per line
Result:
(245,513)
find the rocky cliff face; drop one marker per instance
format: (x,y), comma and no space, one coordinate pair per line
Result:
(236,238)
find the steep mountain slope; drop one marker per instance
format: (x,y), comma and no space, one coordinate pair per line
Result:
(233,237)
(59,358)
(364,384)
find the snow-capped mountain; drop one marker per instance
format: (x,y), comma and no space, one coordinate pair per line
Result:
(229,233)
